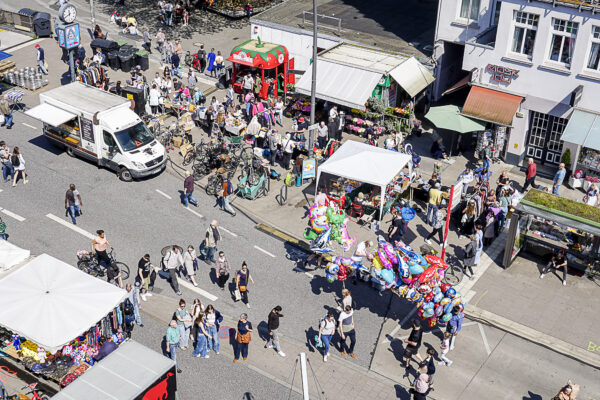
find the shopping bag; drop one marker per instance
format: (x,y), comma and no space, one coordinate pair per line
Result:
(237,294)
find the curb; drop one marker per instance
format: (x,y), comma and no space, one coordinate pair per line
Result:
(557,345)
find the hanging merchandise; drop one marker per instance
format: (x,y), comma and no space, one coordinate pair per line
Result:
(94,76)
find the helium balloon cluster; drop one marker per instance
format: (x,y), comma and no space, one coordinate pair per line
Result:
(418,279)
(327,223)
(341,268)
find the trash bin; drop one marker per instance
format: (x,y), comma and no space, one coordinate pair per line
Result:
(41,24)
(106,45)
(126,61)
(113,59)
(141,59)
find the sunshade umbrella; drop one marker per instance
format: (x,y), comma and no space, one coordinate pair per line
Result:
(51,302)
(449,117)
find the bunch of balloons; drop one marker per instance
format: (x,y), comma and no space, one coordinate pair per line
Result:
(341,268)
(327,223)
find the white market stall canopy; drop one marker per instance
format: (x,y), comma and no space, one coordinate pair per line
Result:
(124,374)
(340,83)
(347,74)
(51,302)
(49,114)
(367,164)
(11,255)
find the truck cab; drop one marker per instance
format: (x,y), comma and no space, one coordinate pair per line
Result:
(102,127)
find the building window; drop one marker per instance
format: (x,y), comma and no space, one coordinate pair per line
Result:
(594,60)
(563,40)
(497,12)
(526,25)
(473,5)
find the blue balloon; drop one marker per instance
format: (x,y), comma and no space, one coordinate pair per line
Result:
(450,293)
(416,269)
(438,296)
(388,275)
(429,304)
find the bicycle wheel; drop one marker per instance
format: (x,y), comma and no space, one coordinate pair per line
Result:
(124,270)
(213,185)
(189,157)
(453,275)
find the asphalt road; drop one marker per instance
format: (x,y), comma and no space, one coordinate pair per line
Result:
(144,216)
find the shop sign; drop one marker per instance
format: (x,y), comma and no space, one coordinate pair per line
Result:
(502,74)
(241,56)
(309,168)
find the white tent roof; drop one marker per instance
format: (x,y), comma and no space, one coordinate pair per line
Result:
(342,84)
(365,163)
(412,76)
(51,302)
(11,255)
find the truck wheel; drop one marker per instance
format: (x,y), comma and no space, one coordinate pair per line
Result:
(70,151)
(124,175)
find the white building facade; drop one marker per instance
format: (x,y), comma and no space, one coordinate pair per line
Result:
(546,53)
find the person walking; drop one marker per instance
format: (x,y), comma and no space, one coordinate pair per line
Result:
(212,237)
(413,343)
(445,348)
(201,338)
(202,58)
(212,320)
(346,330)
(184,324)
(132,296)
(210,67)
(568,392)
(467,179)
(422,387)
(242,278)
(455,324)
(145,269)
(222,269)
(469,258)
(172,342)
(478,229)
(226,191)
(530,175)
(326,331)
(41,60)
(346,299)
(160,42)
(438,225)
(188,190)
(18,163)
(73,203)
(273,325)
(486,155)
(242,339)
(435,199)
(154,99)
(190,264)
(272,141)
(147,40)
(172,261)
(7,167)
(559,177)
(3,234)
(7,112)
(279,106)
(558,261)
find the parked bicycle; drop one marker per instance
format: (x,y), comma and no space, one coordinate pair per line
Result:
(90,265)
(30,394)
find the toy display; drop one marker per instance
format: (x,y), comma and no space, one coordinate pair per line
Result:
(326,224)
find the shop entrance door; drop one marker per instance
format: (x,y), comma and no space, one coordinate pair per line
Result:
(543,140)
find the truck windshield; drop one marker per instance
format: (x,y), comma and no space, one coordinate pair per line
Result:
(134,137)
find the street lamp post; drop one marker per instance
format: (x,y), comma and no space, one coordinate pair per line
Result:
(93,14)
(313,86)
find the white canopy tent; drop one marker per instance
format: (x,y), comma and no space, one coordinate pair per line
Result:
(51,302)
(11,255)
(367,164)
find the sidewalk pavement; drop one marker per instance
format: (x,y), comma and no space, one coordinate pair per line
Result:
(338,378)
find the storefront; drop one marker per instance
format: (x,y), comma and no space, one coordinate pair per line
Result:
(543,224)
(583,131)
(266,61)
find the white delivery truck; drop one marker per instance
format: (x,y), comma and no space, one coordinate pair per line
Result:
(102,127)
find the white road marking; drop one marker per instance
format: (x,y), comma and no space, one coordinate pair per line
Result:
(29,126)
(309,274)
(1,190)
(201,292)
(71,226)
(164,194)
(299,269)
(264,251)
(195,213)
(12,214)
(231,233)
(485,341)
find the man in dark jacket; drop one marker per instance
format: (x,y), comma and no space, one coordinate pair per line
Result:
(188,189)
(105,349)
(273,325)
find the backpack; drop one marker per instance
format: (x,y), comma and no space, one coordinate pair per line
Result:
(229,187)
(15,160)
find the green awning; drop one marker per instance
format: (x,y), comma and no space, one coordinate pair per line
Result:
(583,128)
(449,117)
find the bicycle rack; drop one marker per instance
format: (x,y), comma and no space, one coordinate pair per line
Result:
(283,195)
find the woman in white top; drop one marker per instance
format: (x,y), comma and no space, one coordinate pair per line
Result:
(157,80)
(212,318)
(346,299)
(154,98)
(19,163)
(188,263)
(326,331)
(467,179)
(279,111)
(167,84)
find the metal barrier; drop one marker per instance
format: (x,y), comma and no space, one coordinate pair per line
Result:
(16,20)
(283,195)
(324,21)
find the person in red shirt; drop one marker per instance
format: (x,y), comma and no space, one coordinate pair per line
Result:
(530,175)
